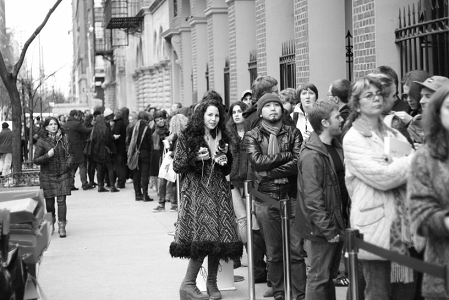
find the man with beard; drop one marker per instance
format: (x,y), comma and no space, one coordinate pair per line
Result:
(321,194)
(273,150)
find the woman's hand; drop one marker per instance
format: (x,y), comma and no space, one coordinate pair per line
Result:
(223,147)
(306,135)
(221,159)
(405,117)
(51,152)
(203,154)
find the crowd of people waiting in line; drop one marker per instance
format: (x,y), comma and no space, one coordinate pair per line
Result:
(329,157)
(325,154)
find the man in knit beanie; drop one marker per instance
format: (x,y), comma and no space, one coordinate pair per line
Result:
(273,146)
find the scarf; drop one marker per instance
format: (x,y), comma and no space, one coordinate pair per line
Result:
(160,131)
(273,144)
(400,238)
(133,142)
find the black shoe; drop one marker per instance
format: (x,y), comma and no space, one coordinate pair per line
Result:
(114,190)
(74,188)
(147,198)
(139,197)
(94,184)
(121,186)
(102,189)
(88,187)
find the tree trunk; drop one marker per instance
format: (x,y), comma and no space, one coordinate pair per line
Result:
(16,126)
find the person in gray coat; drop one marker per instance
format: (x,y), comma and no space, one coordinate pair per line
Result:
(6,137)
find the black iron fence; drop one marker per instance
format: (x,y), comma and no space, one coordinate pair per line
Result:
(423,37)
(288,65)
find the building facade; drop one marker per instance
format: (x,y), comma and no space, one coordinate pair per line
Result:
(163,51)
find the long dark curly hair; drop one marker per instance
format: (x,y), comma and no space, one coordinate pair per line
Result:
(195,130)
(230,125)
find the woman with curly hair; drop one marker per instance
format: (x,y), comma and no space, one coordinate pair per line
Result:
(205,225)
(428,190)
(52,152)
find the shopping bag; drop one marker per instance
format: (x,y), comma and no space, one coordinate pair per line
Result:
(166,169)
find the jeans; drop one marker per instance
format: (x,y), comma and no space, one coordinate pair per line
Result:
(141,176)
(163,185)
(259,251)
(83,173)
(120,168)
(62,208)
(324,262)
(269,219)
(377,277)
(101,173)
(5,163)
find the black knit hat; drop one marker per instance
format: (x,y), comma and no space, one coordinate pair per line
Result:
(269,97)
(5,125)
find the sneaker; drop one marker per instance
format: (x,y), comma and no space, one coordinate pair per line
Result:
(88,187)
(102,190)
(174,208)
(159,208)
(114,190)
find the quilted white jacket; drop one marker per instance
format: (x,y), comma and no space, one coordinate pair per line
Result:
(370,179)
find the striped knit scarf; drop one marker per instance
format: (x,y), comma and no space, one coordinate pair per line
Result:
(273,144)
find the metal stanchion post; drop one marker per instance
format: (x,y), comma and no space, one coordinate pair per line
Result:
(249,245)
(178,189)
(352,250)
(285,219)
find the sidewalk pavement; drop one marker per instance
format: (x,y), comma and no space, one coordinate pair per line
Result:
(117,248)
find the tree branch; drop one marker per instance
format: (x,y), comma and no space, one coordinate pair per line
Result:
(19,63)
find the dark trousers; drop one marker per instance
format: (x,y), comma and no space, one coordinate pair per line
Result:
(141,176)
(269,219)
(83,173)
(120,168)
(259,250)
(101,173)
(62,208)
(91,166)
(324,262)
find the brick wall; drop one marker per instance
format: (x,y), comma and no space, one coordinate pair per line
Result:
(301,41)
(232,52)
(261,38)
(364,37)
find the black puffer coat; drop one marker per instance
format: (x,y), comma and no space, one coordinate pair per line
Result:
(54,174)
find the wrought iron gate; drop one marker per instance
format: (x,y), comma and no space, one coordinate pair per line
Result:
(423,37)
(288,65)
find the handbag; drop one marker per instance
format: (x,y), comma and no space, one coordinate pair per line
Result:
(166,169)
(133,160)
(88,147)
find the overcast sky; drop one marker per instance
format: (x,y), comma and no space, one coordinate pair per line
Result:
(56,39)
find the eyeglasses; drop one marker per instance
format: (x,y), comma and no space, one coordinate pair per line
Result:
(370,96)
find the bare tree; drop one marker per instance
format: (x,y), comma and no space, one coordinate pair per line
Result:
(9,78)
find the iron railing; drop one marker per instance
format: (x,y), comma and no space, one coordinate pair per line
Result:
(287,65)
(423,37)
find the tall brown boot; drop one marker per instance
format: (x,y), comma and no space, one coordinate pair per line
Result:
(189,290)
(211,284)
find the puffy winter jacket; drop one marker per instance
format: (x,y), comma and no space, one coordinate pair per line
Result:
(54,173)
(319,214)
(370,180)
(281,165)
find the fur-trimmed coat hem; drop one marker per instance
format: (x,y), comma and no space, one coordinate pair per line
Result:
(199,250)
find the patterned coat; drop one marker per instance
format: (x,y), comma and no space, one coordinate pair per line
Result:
(428,192)
(54,174)
(206,220)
